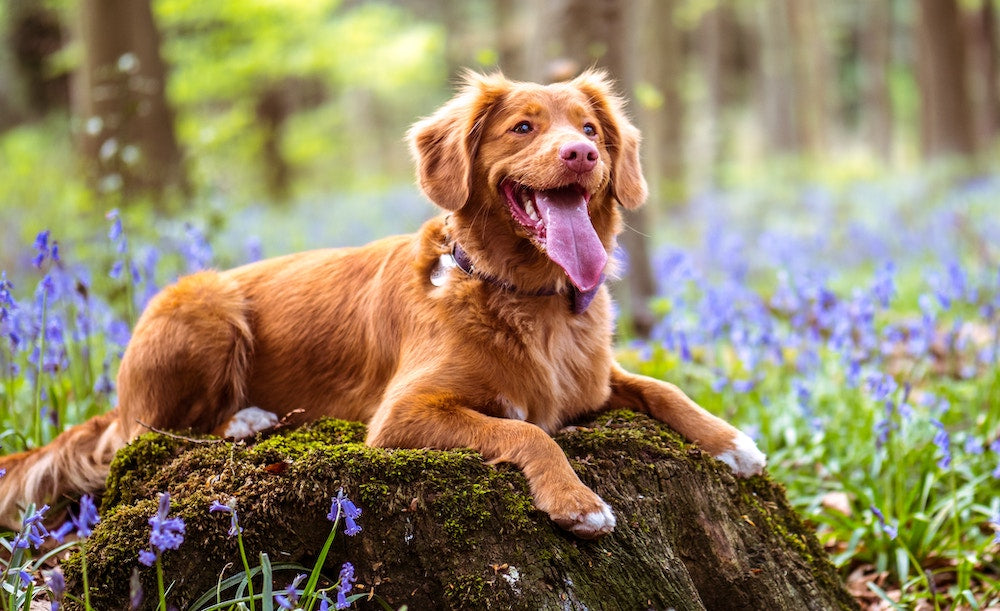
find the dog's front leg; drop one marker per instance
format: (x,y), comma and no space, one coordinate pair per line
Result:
(444,422)
(669,404)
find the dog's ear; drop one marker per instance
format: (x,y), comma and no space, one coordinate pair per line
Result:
(444,145)
(627,183)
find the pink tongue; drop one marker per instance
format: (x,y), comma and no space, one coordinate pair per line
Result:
(570,237)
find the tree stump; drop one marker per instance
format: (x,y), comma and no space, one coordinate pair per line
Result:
(442,529)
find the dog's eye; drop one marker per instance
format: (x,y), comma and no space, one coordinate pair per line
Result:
(523,127)
(589,130)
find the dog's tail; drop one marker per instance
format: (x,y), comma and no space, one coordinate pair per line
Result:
(76,461)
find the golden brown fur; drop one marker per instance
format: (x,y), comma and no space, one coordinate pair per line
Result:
(364,334)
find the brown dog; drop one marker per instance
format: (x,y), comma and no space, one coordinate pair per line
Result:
(489,328)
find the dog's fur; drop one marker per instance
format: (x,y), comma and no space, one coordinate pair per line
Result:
(493,359)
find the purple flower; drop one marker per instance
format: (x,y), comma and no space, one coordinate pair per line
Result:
(167,533)
(83,522)
(33,532)
(46,252)
(197,251)
(344,585)
(290,597)
(881,386)
(888,529)
(344,506)
(57,585)
(115,232)
(943,441)
(234,525)
(973,446)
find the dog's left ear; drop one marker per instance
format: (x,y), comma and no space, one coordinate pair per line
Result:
(627,183)
(444,144)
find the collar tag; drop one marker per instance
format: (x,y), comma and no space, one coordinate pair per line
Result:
(439,275)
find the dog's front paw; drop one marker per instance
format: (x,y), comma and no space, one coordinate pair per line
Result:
(584,514)
(743,457)
(248,422)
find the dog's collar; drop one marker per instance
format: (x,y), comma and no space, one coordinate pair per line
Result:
(579,300)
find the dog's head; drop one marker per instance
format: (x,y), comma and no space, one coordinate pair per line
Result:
(532,174)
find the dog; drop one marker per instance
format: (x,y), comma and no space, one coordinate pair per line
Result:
(489,328)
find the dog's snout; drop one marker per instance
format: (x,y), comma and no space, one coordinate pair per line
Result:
(579,157)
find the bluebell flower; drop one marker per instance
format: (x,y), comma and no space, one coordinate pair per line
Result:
(881,386)
(118,332)
(45,250)
(197,251)
(33,532)
(889,529)
(943,441)
(83,523)
(56,582)
(995,523)
(289,597)
(343,506)
(234,525)
(344,585)
(167,533)
(973,446)
(254,249)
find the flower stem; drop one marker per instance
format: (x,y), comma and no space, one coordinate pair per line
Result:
(159,586)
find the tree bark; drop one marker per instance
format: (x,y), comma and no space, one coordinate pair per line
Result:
(984,70)
(127,135)
(876,60)
(442,529)
(725,61)
(946,124)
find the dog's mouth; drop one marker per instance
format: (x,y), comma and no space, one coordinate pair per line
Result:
(559,222)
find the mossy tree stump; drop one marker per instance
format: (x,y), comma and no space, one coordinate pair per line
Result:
(445,530)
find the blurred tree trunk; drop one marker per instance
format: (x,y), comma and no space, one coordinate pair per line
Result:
(724,59)
(509,19)
(984,68)
(876,59)
(811,75)
(775,92)
(34,33)
(127,131)
(795,69)
(662,119)
(945,120)
(601,32)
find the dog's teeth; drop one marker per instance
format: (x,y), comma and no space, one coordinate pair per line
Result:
(530,209)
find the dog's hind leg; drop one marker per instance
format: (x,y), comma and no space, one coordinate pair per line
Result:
(187,363)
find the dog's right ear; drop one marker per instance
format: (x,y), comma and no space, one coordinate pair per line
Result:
(444,144)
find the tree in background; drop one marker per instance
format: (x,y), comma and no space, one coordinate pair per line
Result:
(945,120)
(29,86)
(125,126)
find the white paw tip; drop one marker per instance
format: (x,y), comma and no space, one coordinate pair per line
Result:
(595,523)
(249,421)
(744,458)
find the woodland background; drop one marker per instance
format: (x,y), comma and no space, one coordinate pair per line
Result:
(220,106)
(819,262)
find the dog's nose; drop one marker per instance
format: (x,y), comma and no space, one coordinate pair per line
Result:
(579,156)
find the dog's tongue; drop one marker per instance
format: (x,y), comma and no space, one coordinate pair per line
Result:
(571,240)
